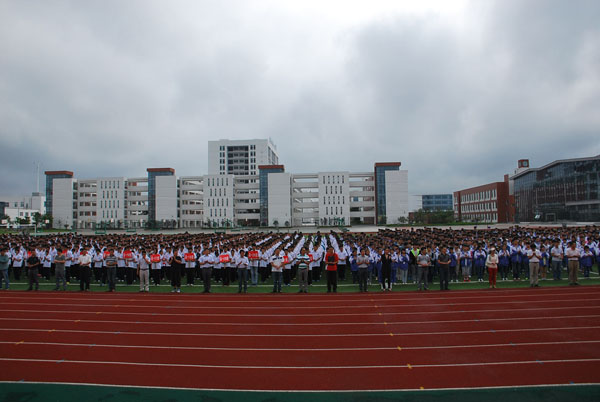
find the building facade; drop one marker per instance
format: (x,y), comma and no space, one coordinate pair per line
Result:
(35,202)
(564,190)
(240,157)
(272,197)
(437,202)
(488,203)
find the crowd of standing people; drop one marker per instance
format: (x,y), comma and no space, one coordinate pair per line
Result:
(386,258)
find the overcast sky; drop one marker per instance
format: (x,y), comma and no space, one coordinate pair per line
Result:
(457,91)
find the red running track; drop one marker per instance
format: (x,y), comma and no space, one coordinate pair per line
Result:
(461,339)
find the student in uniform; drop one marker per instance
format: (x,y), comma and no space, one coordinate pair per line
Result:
(454,266)
(167,258)
(515,262)
(111,262)
(466,263)
(69,260)
(190,268)
(287,268)
(176,267)
(503,262)
(18,256)
(75,253)
(156,268)
(263,264)
(132,266)
(277,270)
(354,266)
(242,265)
(46,258)
(403,262)
(98,261)
(544,262)
(254,270)
(318,260)
(4,263)
(479,258)
(556,255)
(342,264)
(586,261)
(206,263)
(303,262)
(121,266)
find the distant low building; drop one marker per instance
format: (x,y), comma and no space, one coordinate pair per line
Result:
(488,203)
(437,202)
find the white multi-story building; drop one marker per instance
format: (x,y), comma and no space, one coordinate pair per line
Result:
(240,157)
(34,202)
(272,197)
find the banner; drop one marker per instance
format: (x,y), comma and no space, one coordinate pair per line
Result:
(155,258)
(253,255)
(224,258)
(189,257)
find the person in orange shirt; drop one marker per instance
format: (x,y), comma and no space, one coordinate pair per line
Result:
(331,260)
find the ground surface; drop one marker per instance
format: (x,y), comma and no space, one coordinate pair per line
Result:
(338,342)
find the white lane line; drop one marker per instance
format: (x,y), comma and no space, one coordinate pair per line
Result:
(537,309)
(311,391)
(404,348)
(303,307)
(251,324)
(219,335)
(211,366)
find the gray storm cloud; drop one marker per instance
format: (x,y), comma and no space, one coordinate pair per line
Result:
(110,88)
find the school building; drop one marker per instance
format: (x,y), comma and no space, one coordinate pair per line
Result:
(269,197)
(563,190)
(490,203)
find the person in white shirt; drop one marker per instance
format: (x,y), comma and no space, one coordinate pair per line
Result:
(263,264)
(491,262)
(143,272)
(242,264)
(277,270)
(556,253)
(534,256)
(167,258)
(17,262)
(254,269)
(573,255)
(156,267)
(206,263)
(98,259)
(85,262)
(342,255)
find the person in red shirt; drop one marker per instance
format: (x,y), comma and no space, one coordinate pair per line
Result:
(331,259)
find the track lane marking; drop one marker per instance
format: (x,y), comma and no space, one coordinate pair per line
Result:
(536,362)
(304,335)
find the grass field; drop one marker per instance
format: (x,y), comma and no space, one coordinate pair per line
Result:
(321,287)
